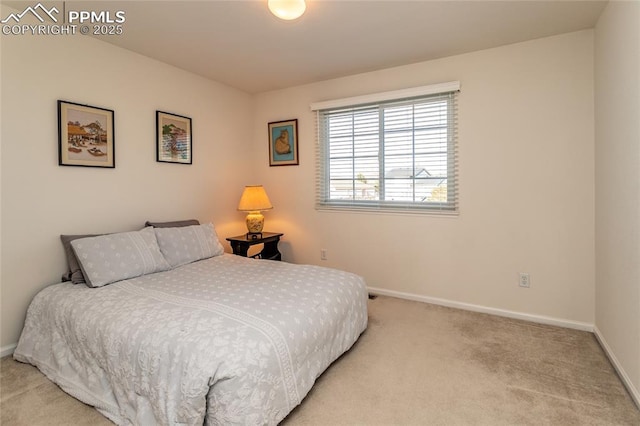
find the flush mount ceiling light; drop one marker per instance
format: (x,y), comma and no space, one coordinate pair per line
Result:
(287,9)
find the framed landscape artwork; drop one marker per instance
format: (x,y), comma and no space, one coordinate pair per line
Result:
(283,143)
(85,136)
(173,138)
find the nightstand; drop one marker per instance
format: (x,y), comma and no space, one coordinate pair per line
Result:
(241,244)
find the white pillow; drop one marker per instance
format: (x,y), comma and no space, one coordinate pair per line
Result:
(188,243)
(109,258)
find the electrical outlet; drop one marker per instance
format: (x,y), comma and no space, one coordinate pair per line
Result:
(323,254)
(525,281)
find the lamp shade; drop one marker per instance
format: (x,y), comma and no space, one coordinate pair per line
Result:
(254,198)
(287,9)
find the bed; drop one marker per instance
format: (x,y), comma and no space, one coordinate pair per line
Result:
(221,340)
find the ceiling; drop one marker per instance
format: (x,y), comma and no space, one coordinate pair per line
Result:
(239,43)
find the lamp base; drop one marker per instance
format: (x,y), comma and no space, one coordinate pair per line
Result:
(255,222)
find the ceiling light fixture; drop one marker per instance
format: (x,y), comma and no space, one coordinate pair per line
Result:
(287,9)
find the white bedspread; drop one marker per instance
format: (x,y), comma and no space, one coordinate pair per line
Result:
(226,340)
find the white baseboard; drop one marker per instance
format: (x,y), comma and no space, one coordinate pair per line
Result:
(540,319)
(635,394)
(7,350)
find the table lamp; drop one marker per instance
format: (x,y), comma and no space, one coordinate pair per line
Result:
(254,199)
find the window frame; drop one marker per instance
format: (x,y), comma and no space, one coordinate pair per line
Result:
(381,101)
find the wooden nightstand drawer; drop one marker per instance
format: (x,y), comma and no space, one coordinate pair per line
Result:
(240,245)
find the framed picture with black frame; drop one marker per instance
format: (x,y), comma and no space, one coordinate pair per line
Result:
(85,136)
(174,138)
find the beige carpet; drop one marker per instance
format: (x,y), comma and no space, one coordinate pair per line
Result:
(417,364)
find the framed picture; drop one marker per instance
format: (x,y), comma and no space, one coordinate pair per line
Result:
(283,143)
(173,138)
(85,136)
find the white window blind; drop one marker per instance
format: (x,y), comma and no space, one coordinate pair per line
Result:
(392,154)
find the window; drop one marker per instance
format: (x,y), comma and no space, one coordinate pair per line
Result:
(391,151)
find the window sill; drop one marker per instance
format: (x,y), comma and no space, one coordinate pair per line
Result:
(388,210)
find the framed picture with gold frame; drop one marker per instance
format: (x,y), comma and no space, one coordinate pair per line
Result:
(85,136)
(283,143)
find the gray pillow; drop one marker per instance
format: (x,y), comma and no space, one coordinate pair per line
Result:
(188,244)
(109,258)
(174,224)
(74,274)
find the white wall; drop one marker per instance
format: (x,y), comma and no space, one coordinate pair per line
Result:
(526,144)
(41,200)
(617,94)
(526,135)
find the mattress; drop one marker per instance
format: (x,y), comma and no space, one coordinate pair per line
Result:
(222,341)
